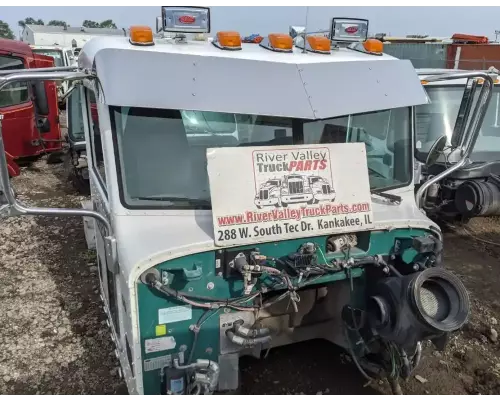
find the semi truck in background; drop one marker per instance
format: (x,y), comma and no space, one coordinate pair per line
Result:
(29,113)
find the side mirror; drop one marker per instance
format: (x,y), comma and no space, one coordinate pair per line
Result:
(429,153)
(463,113)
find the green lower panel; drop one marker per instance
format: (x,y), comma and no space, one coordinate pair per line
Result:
(164,330)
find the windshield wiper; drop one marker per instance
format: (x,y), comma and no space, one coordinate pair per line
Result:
(194,202)
(394,198)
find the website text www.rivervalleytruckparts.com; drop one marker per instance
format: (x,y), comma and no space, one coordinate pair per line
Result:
(250,217)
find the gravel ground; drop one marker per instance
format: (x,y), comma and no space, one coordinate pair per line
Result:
(54,337)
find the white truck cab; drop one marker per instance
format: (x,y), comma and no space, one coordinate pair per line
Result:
(473,190)
(193,273)
(63,57)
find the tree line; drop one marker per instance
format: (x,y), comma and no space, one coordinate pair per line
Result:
(6,31)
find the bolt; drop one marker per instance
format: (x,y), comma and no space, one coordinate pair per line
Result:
(416,267)
(219,274)
(208,350)
(190,289)
(183,347)
(385,270)
(393,257)
(210,285)
(227,310)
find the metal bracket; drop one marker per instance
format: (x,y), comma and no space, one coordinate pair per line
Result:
(111,253)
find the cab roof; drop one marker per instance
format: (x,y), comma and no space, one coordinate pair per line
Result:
(48,47)
(15,46)
(199,76)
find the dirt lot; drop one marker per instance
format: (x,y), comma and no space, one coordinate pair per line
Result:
(54,338)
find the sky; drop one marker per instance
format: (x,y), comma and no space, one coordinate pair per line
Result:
(397,21)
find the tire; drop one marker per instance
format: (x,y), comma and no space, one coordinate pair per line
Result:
(312,201)
(259,207)
(55,158)
(284,204)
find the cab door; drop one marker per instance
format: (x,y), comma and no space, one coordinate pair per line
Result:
(98,176)
(47,108)
(17,109)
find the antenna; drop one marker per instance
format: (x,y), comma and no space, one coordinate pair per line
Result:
(305,30)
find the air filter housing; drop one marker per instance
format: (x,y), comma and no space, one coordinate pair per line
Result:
(419,306)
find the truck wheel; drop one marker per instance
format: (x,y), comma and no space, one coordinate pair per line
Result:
(259,207)
(55,158)
(284,204)
(311,201)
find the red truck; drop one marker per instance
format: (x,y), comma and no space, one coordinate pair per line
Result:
(29,110)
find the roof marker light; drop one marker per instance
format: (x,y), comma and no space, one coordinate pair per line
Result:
(315,44)
(141,36)
(319,44)
(481,81)
(280,42)
(227,40)
(371,46)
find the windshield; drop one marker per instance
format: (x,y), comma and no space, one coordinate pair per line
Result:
(438,118)
(162,153)
(57,55)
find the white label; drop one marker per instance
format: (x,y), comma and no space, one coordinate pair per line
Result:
(161,362)
(159,344)
(174,314)
(262,194)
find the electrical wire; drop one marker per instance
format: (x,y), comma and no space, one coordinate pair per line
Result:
(196,330)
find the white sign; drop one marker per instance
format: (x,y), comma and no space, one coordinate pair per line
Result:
(174,314)
(159,344)
(262,194)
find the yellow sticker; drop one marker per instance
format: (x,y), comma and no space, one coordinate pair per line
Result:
(161,330)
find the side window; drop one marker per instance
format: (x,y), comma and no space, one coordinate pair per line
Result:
(76,129)
(15,93)
(96,139)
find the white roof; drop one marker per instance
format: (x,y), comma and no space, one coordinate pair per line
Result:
(199,76)
(78,30)
(47,47)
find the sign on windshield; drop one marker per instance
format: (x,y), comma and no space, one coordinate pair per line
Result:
(262,194)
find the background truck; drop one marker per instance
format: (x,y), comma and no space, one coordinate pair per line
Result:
(269,193)
(321,188)
(63,57)
(473,190)
(29,110)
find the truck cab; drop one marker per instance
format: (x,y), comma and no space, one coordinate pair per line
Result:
(269,193)
(29,112)
(474,190)
(63,57)
(295,189)
(321,188)
(193,274)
